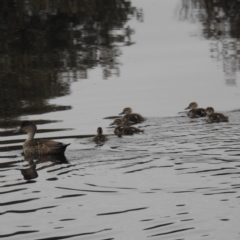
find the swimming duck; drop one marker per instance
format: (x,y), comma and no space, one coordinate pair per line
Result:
(213,117)
(99,138)
(195,112)
(132,117)
(39,146)
(124,130)
(126,122)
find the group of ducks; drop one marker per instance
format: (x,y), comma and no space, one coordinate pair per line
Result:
(123,127)
(46,146)
(209,113)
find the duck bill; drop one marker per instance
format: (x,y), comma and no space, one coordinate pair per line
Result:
(121,113)
(186,108)
(17,131)
(112,124)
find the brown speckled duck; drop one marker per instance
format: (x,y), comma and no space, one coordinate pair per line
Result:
(213,117)
(131,117)
(99,138)
(126,122)
(39,146)
(195,112)
(124,130)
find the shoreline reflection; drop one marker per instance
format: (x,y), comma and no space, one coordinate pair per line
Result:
(48,45)
(221,25)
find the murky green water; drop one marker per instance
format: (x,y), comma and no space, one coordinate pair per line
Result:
(67,65)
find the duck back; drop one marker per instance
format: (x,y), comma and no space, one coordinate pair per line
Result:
(197,112)
(100,138)
(133,117)
(217,117)
(119,131)
(43,146)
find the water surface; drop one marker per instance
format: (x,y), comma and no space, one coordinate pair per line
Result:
(68,65)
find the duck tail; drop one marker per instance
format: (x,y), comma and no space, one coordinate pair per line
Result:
(63,147)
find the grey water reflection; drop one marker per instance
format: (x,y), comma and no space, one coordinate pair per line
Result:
(221,25)
(45,45)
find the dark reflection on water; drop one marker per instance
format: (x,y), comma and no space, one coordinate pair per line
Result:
(30,172)
(30,168)
(178,180)
(45,45)
(220,20)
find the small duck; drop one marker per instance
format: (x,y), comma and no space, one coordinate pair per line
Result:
(99,138)
(131,117)
(195,112)
(126,122)
(39,146)
(213,117)
(124,130)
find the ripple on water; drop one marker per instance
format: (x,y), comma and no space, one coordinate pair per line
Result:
(178,180)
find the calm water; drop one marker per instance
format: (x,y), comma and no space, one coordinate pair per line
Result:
(69,64)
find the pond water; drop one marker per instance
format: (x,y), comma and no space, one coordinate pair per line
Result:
(67,65)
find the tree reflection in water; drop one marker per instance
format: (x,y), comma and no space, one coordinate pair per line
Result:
(44,45)
(221,24)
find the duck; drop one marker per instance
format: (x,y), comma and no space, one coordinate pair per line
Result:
(39,146)
(124,130)
(126,122)
(213,117)
(131,117)
(195,112)
(99,138)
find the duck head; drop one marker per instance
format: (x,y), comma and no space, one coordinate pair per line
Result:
(127,110)
(26,127)
(192,105)
(99,130)
(209,110)
(117,122)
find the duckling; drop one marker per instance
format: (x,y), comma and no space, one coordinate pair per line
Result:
(213,117)
(195,112)
(99,138)
(124,130)
(132,117)
(39,146)
(126,122)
